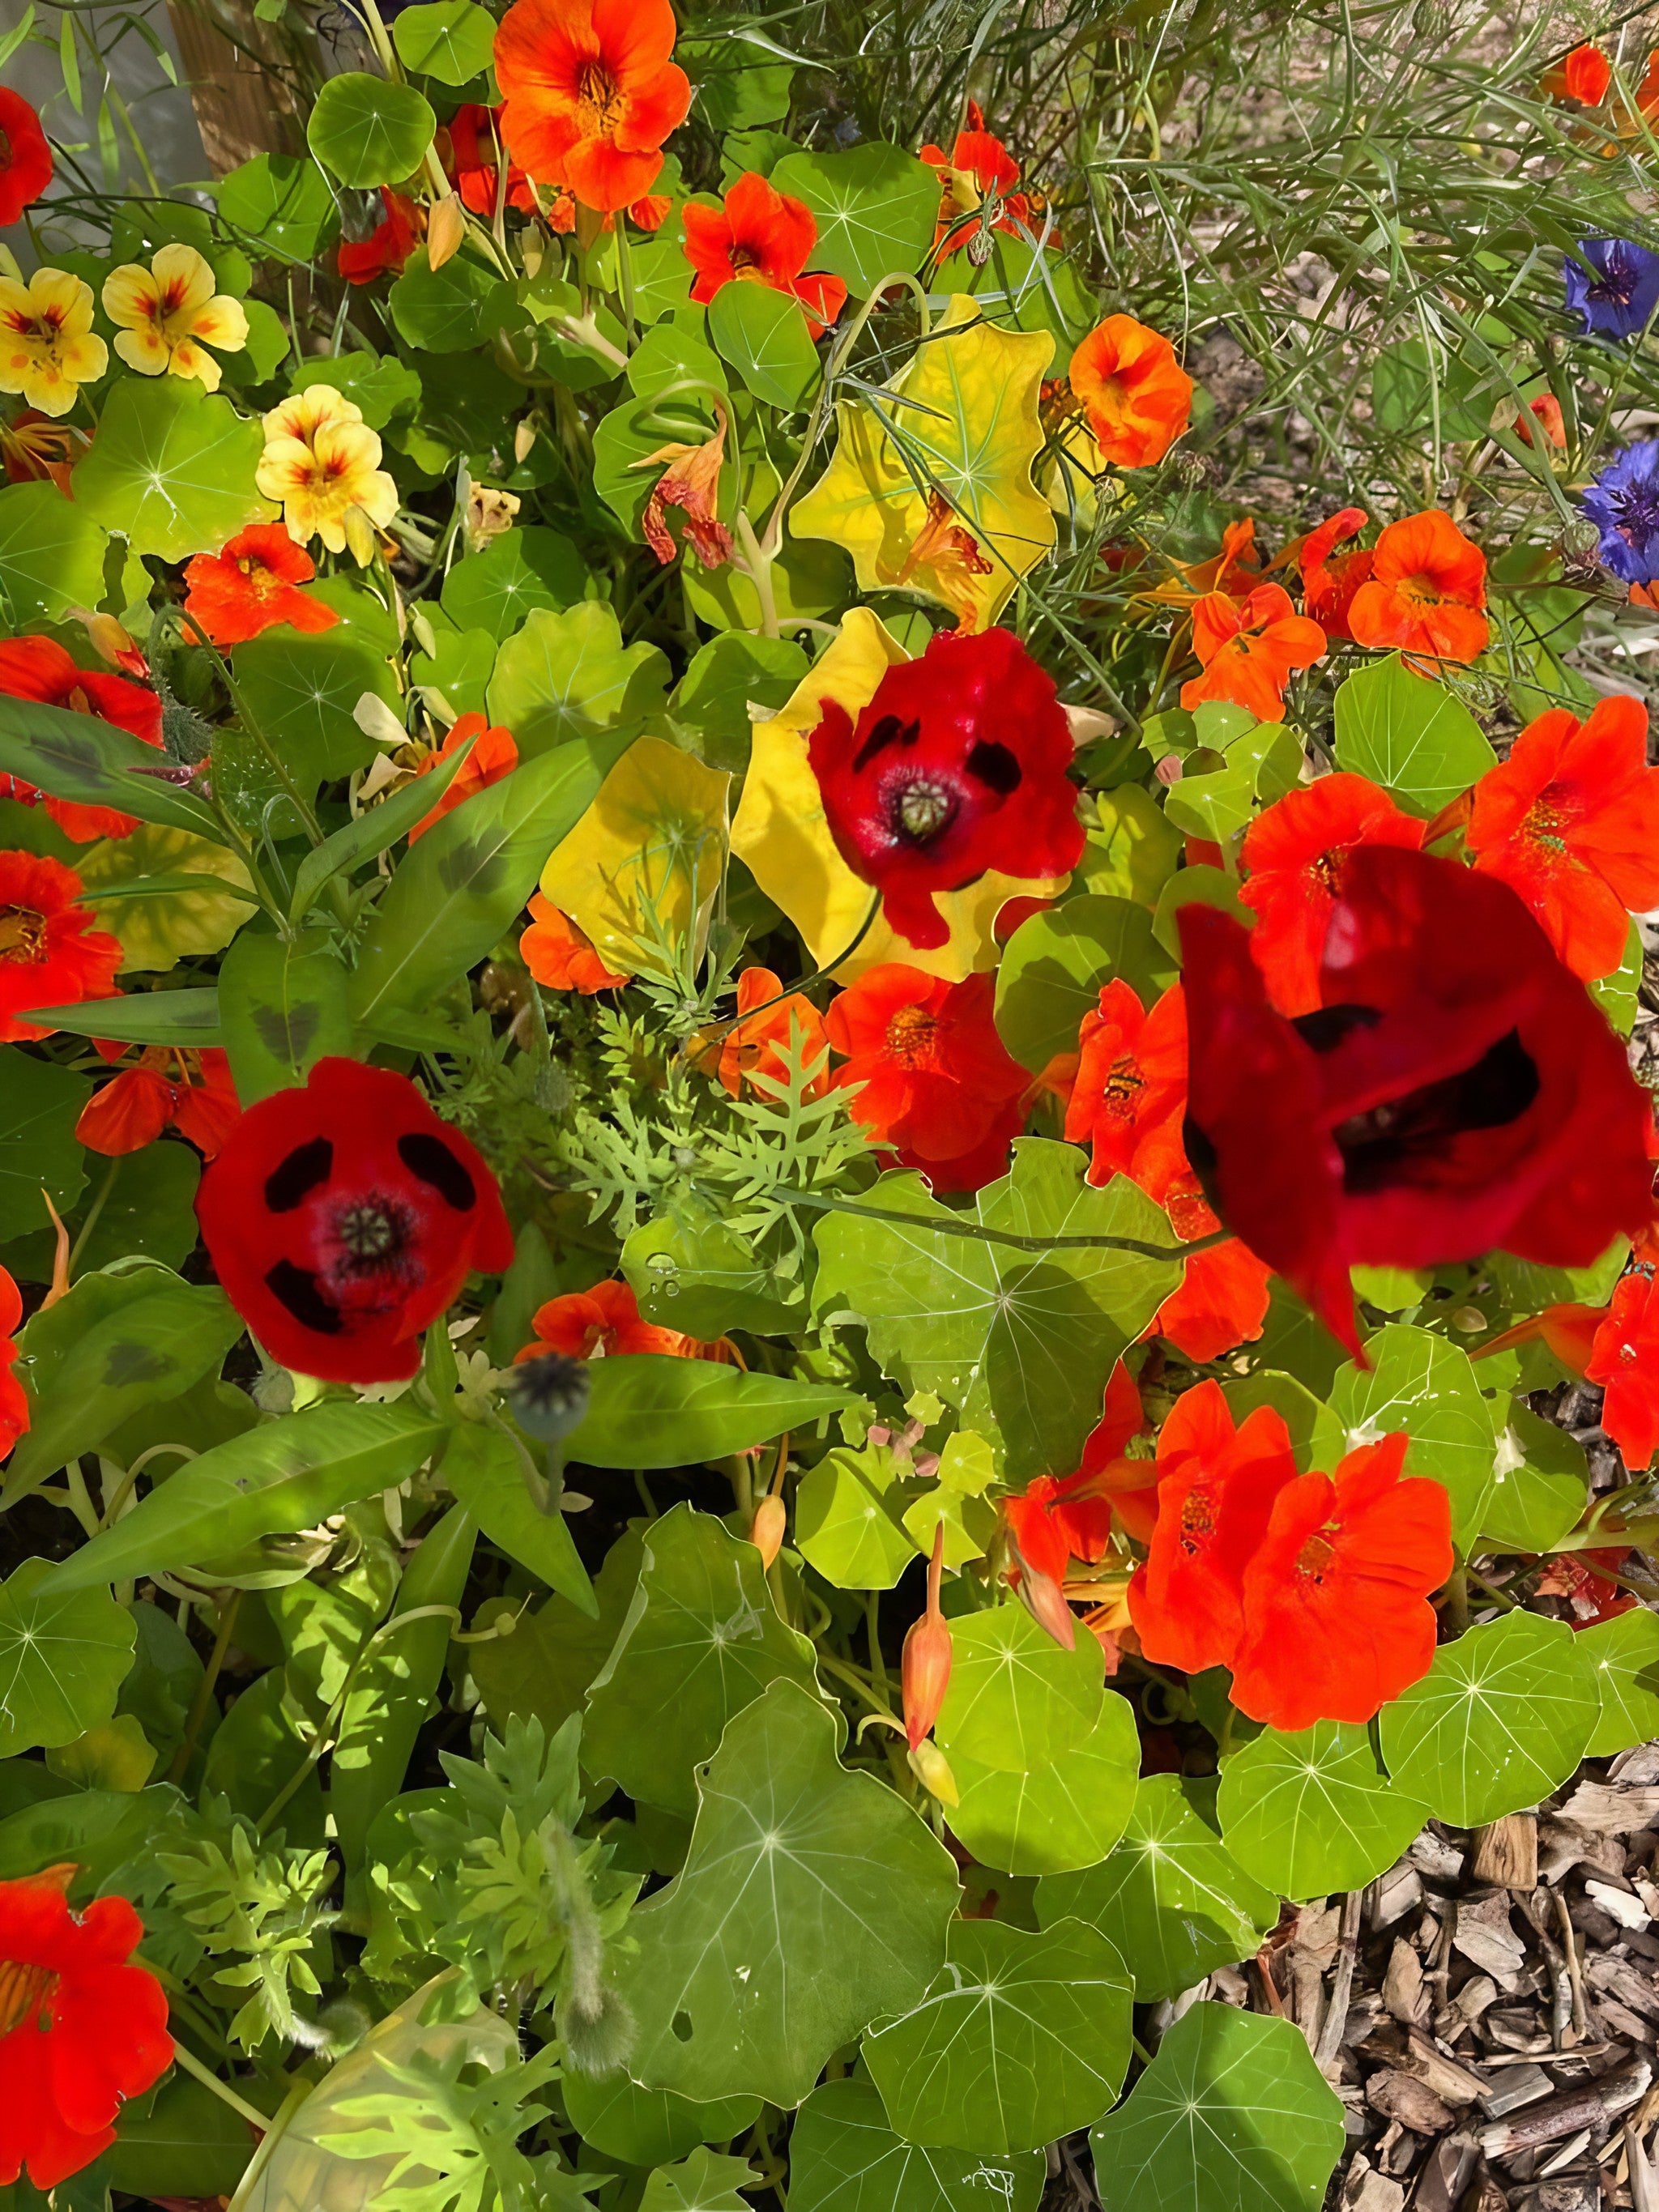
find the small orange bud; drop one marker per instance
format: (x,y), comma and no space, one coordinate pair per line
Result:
(1047,1602)
(446,228)
(925,1667)
(933,1770)
(766,1531)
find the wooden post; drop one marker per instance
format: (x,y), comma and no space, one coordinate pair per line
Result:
(240,74)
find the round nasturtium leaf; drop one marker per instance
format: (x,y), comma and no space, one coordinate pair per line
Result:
(1499,1720)
(157,930)
(1170,1898)
(1017,1698)
(521,570)
(1231,2116)
(453,41)
(1056,1818)
(1623,1655)
(1311,1813)
(367,131)
(51,554)
(171,469)
(1416,1381)
(39,1105)
(844,2157)
(848,1524)
(876,207)
(1020,2040)
(62,1660)
(648,2126)
(764,335)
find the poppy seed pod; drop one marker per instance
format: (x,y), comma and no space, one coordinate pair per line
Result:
(550,1394)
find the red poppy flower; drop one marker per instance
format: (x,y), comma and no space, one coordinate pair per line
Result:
(475,162)
(603,1324)
(1136,395)
(1328,585)
(1570,821)
(25,157)
(1054,1521)
(80,2029)
(1624,1359)
(1425,592)
(559,955)
(168,1089)
(51,954)
(1249,652)
(1584,76)
(933,1079)
(1296,852)
(493,755)
(754,1045)
(251,585)
(759,235)
(342,1220)
(37,668)
(14,1402)
(956,765)
(1131,1090)
(386,249)
(978,168)
(1456,1089)
(1336,1612)
(1216,1487)
(591,93)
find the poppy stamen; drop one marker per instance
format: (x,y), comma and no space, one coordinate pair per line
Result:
(372,1231)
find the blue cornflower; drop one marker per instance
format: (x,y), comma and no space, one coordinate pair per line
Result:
(1624,505)
(1619,299)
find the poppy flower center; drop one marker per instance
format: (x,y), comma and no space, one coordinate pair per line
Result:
(601,96)
(913,1037)
(919,810)
(1381,1146)
(24,1989)
(373,1231)
(23,934)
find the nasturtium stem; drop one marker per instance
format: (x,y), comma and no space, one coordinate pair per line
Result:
(953,1225)
(210,2080)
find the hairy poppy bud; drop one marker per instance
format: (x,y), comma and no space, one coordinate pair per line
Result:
(925,1669)
(933,1770)
(1046,1602)
(549,1395)
(766,1532)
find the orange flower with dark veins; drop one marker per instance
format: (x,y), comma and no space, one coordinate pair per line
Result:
(1249,652)
(1425,593)
(494,755)
(1570,821)
(559,955)
(1336,1612)
(691,483)
(946,550)
(1136,394)
(81,2029)
(168,1088)
(1624,1359)
(50,955)
(603,1324)
(760,236)
(591,93)
(251,585)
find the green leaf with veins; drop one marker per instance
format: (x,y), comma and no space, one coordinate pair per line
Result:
(1017,1699)
(1021,2039)
(1311,1813)
(1052,1818)
(1415,737)
(707,2181)
(1016,1340)
(875,206)
(812,1901)
(1171,1898)
(1232,2115)
(1623,1655)
(62,1660)
(844,2157)
(171,469)
(1418,1382)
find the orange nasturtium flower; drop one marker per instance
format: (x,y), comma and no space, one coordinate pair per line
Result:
(1584,76)
(591,93)
(760,236)
(1570,821)
(603,1324)
(253,585)
(559,955)
(1136,396)
(756,1042)
(166,1088)
(1249,653)
(388,245)
(1329,584)
(1426,591)
(495,754)
(977,167)
(691,483)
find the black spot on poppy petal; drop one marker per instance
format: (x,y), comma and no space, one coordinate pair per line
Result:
(296,1288)
(431,1159)
(994,764)
(889,731)
(305,1166)
(1327,1026)
(1387,1145)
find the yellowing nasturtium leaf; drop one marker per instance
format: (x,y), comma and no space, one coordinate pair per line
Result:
(155,891)
(961,417)
(639,870)
(780,835)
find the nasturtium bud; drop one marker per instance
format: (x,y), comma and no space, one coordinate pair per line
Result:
(1047,1602)
(933,1770)
(766,1531)
(925,1667)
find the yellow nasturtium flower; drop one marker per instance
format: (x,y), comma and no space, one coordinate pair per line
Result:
(167,313)
(47,351)
(322,461)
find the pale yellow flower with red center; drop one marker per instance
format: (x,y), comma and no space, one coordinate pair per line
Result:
(167,314)
(322,462)
(47,349)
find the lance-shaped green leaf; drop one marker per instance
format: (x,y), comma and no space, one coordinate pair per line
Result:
(171,469)
(483,1469)
(285,1476)
(812,1902)
(1171,1898)
(1231,2116)
(1623,1656)
(702,1640)
(1053,1819)
(1416,1381)
(77,757)
(282,1008)
(51,554)
(372,832)
(188,1018)
(844,2157)
(114,1345)
(456,893)
(1310,1813)
(1017,1699)
(62,1657)
(1499,1720)
(649,1409)
(1412,735)
(39,1105)
(1018,1339)
(1021,2039)
(876,207)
